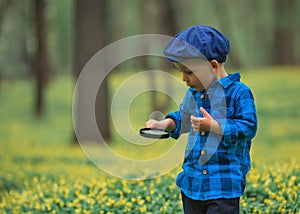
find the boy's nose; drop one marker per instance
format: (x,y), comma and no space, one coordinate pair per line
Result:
(184,77)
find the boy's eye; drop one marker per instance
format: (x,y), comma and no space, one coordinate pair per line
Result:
(187,71)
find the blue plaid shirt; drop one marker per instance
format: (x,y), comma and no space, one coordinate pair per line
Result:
(215,166)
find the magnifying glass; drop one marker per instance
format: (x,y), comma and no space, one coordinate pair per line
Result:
(154,133)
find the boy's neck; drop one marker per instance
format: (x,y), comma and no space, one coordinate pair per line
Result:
(221,73)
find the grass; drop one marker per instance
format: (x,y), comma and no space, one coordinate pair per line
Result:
(37,155)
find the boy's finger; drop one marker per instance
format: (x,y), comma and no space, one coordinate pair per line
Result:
(194,119)
(195,128)
(204,112)
(150,123)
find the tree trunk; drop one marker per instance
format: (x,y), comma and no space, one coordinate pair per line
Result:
(162,14)
(284,34)
(42,63)
(89,39)
(167,15)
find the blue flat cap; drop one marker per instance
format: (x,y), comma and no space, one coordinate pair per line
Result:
(198,42)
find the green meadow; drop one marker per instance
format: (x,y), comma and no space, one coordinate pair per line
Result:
(42,170)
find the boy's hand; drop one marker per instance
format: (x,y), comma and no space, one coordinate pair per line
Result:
(155,124)
(166,124)
(205,123)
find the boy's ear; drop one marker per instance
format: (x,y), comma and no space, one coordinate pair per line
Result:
(214,64)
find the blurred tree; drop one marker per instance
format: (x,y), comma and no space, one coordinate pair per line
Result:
(157,17)
(284,31)
(61,33)
(223,10)
(4,4)
(18,26)
(3,7)
(166,13)
(25,58)
(90,31)
(42,69)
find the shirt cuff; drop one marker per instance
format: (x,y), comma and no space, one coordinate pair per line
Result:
(175,133)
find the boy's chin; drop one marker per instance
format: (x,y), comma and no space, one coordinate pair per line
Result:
(199,89)
(196,88)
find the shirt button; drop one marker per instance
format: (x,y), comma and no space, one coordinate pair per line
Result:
(202,96)
(202,152)
(204,172)
(202,133)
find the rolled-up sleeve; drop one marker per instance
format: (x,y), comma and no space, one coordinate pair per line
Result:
(176,117)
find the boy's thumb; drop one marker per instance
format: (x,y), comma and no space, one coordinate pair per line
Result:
(204,112)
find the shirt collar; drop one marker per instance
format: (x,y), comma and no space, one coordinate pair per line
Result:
(228,80)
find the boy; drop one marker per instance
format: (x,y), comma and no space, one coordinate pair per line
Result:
(219,113)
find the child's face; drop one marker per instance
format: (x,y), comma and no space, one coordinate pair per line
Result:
(197,74)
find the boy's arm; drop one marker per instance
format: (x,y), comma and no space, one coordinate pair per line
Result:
(243,125)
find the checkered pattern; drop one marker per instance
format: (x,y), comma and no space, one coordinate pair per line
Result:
(216,166)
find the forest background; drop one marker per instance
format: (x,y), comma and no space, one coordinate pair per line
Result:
(44,45)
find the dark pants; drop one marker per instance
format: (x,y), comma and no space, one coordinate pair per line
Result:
(217,206)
